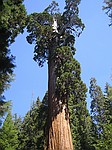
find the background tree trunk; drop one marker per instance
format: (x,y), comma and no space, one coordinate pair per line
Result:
(59,134)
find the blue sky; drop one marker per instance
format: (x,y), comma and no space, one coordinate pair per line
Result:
(94,52)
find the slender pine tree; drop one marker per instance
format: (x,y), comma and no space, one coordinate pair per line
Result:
(8,134)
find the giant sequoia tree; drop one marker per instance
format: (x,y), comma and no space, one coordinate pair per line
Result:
(53,34)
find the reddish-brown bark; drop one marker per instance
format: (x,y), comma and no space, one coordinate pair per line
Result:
(59,134)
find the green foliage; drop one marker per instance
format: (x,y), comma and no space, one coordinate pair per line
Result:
(4,107)
(105,142)
(71,20)
(67,72)
(97,105)
(80,120)
(12,19)
(12,22)
(101,109)
(8,134)
(53,9)
(46,40)
(32,131)
(108,103)
(39,27)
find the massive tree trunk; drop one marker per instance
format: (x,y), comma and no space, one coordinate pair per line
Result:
(59,134)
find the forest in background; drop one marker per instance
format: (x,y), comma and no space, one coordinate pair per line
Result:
(90,131)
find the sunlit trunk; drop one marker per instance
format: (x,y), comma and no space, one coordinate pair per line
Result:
(59,134)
